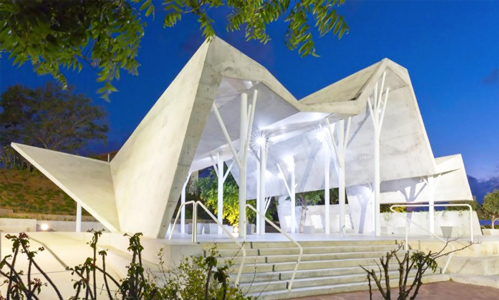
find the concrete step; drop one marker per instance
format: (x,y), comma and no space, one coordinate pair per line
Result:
(305,257)
(307,265)
(306,250)
(305,244)
(258,287)
(286,275)
(334,288)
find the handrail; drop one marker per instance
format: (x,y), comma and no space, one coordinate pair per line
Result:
(194,231)
(288,237)
(433,234)
(194,219)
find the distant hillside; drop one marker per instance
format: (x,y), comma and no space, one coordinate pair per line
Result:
(32,192)
(480,188)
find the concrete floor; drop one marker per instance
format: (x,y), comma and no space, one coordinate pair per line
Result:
(432,291)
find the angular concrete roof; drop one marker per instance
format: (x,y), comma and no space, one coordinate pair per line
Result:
(139,189)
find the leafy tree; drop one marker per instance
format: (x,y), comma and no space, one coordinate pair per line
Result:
(475,206)
(106,34)
(49,117)
(208,187)
(491,206)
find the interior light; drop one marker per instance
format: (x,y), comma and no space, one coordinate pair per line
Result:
(260,141)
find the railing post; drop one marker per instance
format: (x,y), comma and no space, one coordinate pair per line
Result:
(194,222)
(471,223)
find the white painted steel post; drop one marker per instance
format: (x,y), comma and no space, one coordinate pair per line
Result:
(432,182)
(261,185)
(327,187)
(293,198)
(182,202)
(242,167)
(341,173)
(195,222)
(377,108)
(78,217)
(220,195)
(339,145)
(431,187)
(377,183)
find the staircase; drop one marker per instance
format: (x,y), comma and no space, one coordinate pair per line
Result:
(326,267)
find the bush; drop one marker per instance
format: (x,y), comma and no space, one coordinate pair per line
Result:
(194,278)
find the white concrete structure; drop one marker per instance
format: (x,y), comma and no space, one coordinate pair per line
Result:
(221,103)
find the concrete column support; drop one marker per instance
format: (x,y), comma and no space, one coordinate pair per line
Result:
(338,141)
(246,125)
(291,189)
(431,182)
(377,108)
(327,200)
(261,205)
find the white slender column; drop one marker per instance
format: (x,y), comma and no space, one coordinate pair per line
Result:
(431,182)
(377,108)
(241,158)
(78,217)
(327,187)
(220,194)
(293,198)
(291,189)
(182,202)
(339,134)
(242,169)
(260,220)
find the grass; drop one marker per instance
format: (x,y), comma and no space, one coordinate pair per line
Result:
(32,192)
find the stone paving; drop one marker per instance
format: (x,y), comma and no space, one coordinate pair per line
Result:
(432,291)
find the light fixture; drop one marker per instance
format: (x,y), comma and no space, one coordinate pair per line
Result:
(44,227)
(260,141)
(321,135)
(290,162)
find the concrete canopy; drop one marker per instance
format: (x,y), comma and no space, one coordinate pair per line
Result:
(139,189)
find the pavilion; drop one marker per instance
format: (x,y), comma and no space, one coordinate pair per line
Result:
(363,134)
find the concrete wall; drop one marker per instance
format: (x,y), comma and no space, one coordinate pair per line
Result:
(393,224)
(314,219)
(30,225)
(17,225)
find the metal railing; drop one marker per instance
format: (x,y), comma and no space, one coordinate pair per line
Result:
(195,205)
(432,234)
(288,237)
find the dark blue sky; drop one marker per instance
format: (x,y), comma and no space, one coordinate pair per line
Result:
(451,49)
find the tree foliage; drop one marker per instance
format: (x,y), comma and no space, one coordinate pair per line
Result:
(491,206)
(49,117)
(55,35)
(105,34)
(208,187)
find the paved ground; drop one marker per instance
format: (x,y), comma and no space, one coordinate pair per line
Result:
(432,291)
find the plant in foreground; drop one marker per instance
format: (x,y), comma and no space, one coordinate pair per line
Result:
(194,278)
(411,267)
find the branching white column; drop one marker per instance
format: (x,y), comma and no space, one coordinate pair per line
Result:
(431,182)
(218,166)
(377,108)
(241,158)
(182,202)
(242,169)
(291,189)
(261,205)
(78,217)
(327,187)
(339,134)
